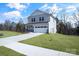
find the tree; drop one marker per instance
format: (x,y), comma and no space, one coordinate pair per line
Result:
(13,26)
(76,17)
(60,27)
(7,25)
(1,26)
(77,30)
(20,26)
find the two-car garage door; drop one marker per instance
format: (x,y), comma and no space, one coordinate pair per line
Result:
(40,30)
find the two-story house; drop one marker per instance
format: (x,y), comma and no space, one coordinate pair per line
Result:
(41,22)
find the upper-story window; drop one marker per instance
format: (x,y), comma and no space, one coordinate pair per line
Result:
(41,18)
(33,19)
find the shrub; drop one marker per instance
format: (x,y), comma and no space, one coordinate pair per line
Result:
(1,34)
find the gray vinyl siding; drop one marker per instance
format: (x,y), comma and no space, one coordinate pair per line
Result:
(46,18)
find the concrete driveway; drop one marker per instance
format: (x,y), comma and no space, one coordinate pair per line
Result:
(30,50)
(20,37)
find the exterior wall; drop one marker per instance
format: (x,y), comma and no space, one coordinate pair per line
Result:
(40,24)
(52,25)
(46,18)
(48,21)
(37,27)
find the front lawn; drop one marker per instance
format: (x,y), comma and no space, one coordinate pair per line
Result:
(8,52)
(8,33)
(65,43)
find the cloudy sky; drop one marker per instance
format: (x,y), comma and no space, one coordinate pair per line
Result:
(14,11)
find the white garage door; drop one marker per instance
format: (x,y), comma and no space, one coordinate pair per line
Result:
(40,30)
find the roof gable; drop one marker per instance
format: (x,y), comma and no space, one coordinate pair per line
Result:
(38,12)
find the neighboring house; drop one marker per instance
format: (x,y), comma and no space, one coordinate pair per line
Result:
(41,22)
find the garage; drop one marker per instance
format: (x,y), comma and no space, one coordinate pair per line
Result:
(40,30)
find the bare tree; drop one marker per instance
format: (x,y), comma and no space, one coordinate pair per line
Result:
(7,25)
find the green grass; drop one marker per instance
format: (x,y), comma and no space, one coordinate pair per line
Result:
(8,33)
(65,43)
(8,52)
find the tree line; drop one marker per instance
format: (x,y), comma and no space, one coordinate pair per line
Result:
(62,27)
(66,28)
(12,26)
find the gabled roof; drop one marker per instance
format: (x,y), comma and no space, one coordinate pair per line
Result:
(38,12)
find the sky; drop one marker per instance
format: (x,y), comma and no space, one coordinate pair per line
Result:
(15,11)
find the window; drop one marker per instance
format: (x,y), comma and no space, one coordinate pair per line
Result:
(36,27)
(41,26)
(33,20)
(45,26)
(41,18)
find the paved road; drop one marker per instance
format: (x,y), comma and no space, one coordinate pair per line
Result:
(30,50)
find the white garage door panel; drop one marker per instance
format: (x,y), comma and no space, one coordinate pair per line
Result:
(40,30)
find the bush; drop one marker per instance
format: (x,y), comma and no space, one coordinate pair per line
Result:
(77,30)
(1,34)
